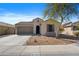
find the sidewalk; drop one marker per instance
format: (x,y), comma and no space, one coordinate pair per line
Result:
(40,50)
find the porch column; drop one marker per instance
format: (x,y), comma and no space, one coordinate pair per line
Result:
(56,31)
(34,29)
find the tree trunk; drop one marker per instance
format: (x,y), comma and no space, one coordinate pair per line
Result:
(57,33)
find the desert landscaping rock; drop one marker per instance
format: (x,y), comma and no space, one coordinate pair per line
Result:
(44,40)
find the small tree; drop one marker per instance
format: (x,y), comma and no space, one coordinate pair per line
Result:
(61,11)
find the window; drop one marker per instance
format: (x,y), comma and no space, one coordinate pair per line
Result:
(50,28)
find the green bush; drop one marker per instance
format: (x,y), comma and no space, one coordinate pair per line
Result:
(77,28)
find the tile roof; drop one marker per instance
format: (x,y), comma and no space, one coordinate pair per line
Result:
(6,24)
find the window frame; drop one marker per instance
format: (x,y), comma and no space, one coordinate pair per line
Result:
(50,28)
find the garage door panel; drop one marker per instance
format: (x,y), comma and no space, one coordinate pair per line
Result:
(25,30)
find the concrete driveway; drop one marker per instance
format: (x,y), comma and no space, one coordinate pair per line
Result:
(14,40)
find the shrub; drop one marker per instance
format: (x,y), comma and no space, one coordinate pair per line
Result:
(61,29)
(77,28)
(76,33)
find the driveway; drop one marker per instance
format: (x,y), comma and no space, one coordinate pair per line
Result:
(14,40)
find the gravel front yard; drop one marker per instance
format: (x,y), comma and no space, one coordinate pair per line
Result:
(44,40)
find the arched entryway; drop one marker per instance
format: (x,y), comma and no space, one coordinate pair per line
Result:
(37,29)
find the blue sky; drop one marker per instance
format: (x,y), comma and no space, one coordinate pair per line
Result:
(21,8)
(16,12)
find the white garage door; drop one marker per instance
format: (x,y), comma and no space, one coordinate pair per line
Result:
(25,30)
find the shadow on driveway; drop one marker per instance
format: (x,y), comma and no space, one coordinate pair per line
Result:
(4,36)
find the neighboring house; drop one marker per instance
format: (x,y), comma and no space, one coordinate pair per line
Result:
(38,26)
(6,28)
(75,26)
(70,28)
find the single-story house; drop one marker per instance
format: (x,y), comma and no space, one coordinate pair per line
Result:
(48,27)
(6,28)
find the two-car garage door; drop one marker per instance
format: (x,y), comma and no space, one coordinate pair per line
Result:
(25,30)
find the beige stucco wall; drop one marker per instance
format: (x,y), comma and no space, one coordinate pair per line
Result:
(68,31)
(35,23)
(43,27)
(6,30)
(2,30)
(34,26)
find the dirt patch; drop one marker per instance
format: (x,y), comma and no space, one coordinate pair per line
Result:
(43,40)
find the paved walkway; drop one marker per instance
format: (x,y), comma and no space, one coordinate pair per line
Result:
(13,46)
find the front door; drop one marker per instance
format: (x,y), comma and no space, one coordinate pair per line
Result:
(37,29)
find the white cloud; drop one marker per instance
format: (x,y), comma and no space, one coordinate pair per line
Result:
(14,18)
